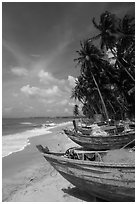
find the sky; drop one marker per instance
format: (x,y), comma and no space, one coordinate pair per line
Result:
(39,43)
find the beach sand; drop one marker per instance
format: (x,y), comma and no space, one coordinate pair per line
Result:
(28,177)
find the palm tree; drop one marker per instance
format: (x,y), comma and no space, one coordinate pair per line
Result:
(90,60)
(126,45)
(107,27)
(111,33)
(88,109)
(76,110)
(97,75)
(82,93)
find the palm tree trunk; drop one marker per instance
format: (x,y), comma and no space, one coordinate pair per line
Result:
(112,107)
(105,109)
(92,107)
(122,65)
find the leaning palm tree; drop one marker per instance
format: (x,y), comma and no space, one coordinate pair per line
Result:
(91,60)
(86,92)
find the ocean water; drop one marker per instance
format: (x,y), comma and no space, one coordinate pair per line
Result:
(17,131)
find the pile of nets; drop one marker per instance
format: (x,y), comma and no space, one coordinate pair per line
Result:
(97,131)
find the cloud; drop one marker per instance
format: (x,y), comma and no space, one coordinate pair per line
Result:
(47,78)
(53,91)
(72,104)
(72,80)
(35,91)
(30,90)
(19,71)
(63,102)
(65,85)
(50,92)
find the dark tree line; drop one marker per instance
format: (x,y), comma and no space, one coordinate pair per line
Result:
(105,87)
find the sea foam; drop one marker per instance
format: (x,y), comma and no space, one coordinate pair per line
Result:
(17,142)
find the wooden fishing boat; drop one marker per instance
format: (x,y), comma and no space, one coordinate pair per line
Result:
(89,171)
(109,129)
(115,141)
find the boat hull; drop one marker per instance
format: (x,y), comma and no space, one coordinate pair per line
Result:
(100,142)
(111,182)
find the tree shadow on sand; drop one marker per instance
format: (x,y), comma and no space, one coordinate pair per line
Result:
(77,193)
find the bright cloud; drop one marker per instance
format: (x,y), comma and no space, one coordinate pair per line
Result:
(71,80)
(47,78)
(50,92)
(35,91)
(53,91)
(65,85)
(19,71)
(71,104)
(30,90)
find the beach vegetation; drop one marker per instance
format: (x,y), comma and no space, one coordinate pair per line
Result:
(106,84)
(76,110)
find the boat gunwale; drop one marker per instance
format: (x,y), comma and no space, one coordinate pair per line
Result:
(92,163)
(76,134)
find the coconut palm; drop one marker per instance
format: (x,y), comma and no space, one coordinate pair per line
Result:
(91,62)
(111,33)
(82,93)
(111,84)
(76,110)
(108,30)
(98,80)
(126,44)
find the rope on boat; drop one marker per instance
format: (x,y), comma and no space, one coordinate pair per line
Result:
(128,144)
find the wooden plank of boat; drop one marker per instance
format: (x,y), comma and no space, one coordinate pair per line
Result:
(100,142)
(109,181)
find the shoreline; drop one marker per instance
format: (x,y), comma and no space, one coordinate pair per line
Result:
(27,176)
(26,135)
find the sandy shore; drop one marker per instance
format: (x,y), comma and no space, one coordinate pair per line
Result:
(28,177)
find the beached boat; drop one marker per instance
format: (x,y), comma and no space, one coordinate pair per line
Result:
(109,129)
(96,174)
(114,141)
(104,126)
